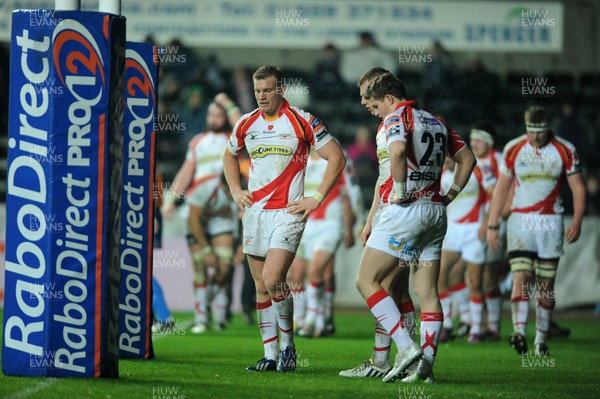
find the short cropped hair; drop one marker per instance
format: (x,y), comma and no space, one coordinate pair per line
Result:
(537,115)
(370,74)
(267,71)
(383,85)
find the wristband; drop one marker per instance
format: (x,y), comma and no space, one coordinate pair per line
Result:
(456,188)
(495,227)
(231,108)
(318,196)
(400,190)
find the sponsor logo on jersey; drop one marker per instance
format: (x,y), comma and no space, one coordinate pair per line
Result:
(382,154)
(529,177)
(262,151)
(417,176)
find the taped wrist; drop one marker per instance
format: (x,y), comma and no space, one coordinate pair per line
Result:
(456,188)
(400,190)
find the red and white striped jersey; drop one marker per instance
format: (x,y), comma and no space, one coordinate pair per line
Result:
(428,141)
(278,149)
(332,207)
(211,197)
(538,173)
(385,183)
(468,206)
(490,167)
(206,151)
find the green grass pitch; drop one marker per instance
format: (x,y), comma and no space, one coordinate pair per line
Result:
(212,366)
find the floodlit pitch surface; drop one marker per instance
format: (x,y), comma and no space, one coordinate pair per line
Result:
(212,366)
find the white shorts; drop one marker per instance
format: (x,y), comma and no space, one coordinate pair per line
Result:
(540,234)
(219,225)
(377,215)
(264,230)
(500,254)
(410,232)
(320,235)
(462,238)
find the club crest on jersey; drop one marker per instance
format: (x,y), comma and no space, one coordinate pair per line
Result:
(395,243)
(270,128)
(262,151)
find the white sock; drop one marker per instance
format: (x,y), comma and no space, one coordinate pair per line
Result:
(543,317)
(200,305)
(386,312)
(519,308)
(383,343)
(493,303)
(267,323)
(284,312)
(476,308)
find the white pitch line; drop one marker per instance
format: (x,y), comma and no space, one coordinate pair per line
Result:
(27,392)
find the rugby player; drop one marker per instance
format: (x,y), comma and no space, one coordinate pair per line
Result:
(536,163)
(411,229)
(396,283)
(325,229)
(200,172)
(277,137)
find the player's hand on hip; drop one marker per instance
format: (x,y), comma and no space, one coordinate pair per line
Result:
(365,234)
(243,198)
(303,207)
(493,239)
(349,239)
(445,200)
(572,233)
(482,232)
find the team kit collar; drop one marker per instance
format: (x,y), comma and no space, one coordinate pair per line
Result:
(407,103)
(282,108)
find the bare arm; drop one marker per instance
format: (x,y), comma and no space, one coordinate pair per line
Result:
(181,182)
(231,168)
(183,178)
(233,112)
(349,219)
(501,194)
(398,165)
(577,187)
(465,163)
(336,162)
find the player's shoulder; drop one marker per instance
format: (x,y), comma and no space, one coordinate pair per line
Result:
(515,143)
(197,139)
(307,116)
(248,115)
(559,141)
(391,119)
